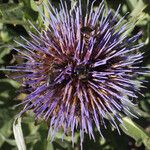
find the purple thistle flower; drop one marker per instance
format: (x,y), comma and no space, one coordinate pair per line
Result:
(81,70)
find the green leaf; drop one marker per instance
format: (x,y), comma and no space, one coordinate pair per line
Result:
(135,131)
(10,6)
(49,146)
(3,52)
(18,134)
(38,2)
(11,13)
(13,83)
(137,15)
(5,131)
(9,141)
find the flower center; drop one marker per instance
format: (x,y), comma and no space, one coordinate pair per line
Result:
(81,72)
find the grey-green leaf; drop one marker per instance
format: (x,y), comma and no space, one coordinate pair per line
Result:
(19,134)
(135,131)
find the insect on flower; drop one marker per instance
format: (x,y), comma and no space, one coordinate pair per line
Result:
(82,70)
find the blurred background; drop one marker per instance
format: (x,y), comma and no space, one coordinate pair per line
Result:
(14,16)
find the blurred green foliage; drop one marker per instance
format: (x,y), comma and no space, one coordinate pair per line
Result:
(14,16)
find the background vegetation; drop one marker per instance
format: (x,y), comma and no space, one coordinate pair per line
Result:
(14,16)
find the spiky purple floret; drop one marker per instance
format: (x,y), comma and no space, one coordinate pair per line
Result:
(81,70)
